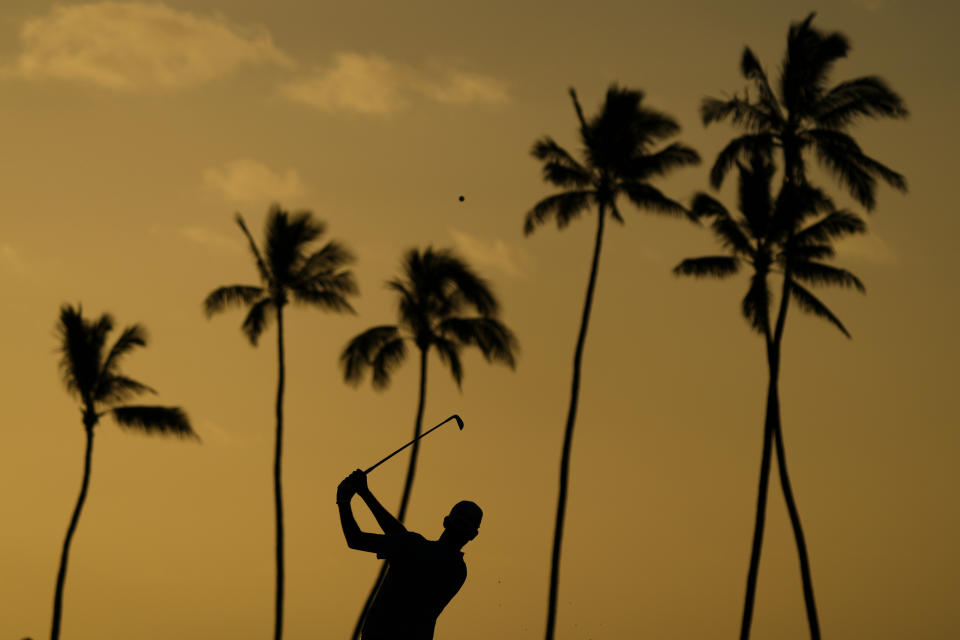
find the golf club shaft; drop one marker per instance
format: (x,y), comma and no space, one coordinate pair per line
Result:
(454,416)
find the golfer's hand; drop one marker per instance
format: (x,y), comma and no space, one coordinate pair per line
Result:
(359,480)
(345,489)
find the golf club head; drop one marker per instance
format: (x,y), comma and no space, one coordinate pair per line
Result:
(459,421)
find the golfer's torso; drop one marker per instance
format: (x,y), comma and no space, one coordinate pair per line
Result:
(422,577)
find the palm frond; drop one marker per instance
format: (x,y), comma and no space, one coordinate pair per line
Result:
(741,147)
(118,388)
(646,196)
(809,58)
(262,269)
(795,253)
(708,266)
(869,96)
(259,316)
(458,280)
(153,419)
(671,157)
(331,257)
(408,308)
(560,168)
(235,295)
(651,125)
(795,204)
(769,114)
(731,234)
(885,173)
(133,336)
(563,207)
(388,357)
(843,160)
(492,337)
(834,225)
(360,352)
(81,349)
(740,111)
(449,353)
(584,127)
(817,273)
(615,213)
(756,304)
(704,205)
(327,299)
(811,304)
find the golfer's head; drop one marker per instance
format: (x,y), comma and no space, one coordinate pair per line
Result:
(464,520)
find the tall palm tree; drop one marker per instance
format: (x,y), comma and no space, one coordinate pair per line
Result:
(805,115)
(776,236)
(287,270)
(92,375)
(619,159)
(442,305)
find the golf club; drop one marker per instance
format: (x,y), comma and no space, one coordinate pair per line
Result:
(453,417)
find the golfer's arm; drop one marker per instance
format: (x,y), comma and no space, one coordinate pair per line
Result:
(357,539)
(389,524)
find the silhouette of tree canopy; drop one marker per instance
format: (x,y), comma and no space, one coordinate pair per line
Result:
(791,235)
(620,158)
(805,115)
(91,373)
(288,270)
(441,305)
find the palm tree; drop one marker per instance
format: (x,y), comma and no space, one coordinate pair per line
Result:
(776,236)
(93,376)
(438,296)
(805,115)
(619,159)
(287,271)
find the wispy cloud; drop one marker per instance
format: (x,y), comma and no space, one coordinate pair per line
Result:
(371,84)
(249,181)
(495,254)
(210,239)
(10,260)
(868,248)
(136,45)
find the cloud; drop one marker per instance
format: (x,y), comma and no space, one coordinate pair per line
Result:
(371,84)
(211,239)
(867,248)
(136,45)
(248,181)
(495,254)
(11,261)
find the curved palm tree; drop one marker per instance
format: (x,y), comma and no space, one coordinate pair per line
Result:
(92,374)
(287,271)
(438,296)
(776,236)
(804,115)
(619,159)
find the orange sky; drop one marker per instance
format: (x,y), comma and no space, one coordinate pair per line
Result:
(131,133)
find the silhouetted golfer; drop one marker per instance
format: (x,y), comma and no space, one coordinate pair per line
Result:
(422,575)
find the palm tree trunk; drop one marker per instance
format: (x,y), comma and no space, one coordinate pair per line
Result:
(568,434)
(772,403)
(64,555)
(797,534)
(407,489)
(277,488)
(771,417)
